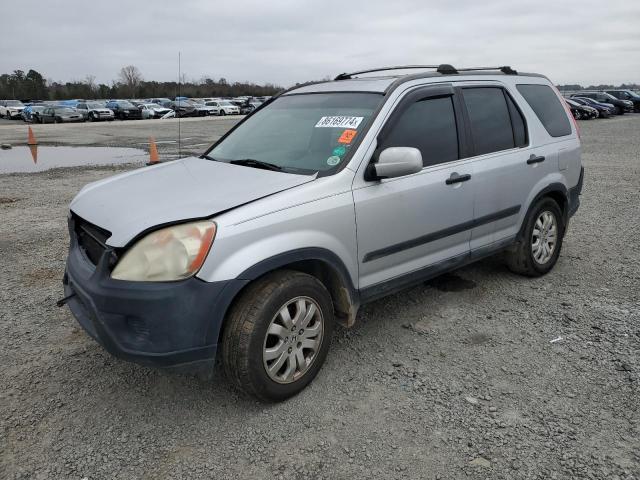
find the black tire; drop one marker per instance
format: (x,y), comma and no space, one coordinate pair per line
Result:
(246,330)
(222,113)
(520,258)
(92,117)
(56,120)
(620,110)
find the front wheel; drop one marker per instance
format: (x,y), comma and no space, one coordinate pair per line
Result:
(277,335)
(538,248)
(222,113)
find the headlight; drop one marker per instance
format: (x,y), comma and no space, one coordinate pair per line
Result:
(171,253)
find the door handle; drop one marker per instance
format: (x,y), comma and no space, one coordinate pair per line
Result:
(535,159)
(456,178)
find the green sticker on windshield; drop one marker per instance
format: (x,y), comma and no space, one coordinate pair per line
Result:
(333,160)
(339,151)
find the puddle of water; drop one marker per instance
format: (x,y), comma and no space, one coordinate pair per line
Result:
(37,159)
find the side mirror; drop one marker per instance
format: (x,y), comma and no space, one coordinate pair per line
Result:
(396,162)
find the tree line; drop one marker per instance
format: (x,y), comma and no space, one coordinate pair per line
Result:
(32,85)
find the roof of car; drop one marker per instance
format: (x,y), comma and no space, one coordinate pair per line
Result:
(354,82)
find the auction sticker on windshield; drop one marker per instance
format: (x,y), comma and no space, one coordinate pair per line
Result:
(339,122)
(347,136)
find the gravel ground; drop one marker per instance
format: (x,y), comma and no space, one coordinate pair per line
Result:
(478,374)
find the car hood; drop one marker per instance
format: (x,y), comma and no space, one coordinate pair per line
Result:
(130,203)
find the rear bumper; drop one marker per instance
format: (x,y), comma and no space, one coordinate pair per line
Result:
(574,195)
(163,324)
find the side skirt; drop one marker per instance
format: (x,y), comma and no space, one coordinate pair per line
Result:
(382,289)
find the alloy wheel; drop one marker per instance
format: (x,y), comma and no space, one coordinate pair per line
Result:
(544,237)
(293,340)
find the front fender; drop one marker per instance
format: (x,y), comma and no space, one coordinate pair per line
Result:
(323,229)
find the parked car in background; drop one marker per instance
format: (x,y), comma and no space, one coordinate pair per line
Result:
(225,107)
(95,111)
(248,107)
(581,112)
(11,109)
(628,95)
(604,110)
(153,110)
(203,110)
(60,114)
(31,112)
(162,101)
(621,106)
(183,108)
(35,113)
(124,110)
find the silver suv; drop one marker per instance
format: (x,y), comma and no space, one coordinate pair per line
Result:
(328,196)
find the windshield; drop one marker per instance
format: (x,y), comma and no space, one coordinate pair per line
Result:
(309,132)
(227,104)
(94,105)
(64,110)
(125,104)
(14,103)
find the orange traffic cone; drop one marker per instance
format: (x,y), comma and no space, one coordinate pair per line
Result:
(32,138)
(153,152)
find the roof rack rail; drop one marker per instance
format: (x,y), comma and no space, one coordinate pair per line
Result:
(507,70)
(444,69)
(347,76)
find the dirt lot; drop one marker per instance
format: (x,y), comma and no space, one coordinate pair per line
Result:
(480,374)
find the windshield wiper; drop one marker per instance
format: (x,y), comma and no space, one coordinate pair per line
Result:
(250,162)
(209,158)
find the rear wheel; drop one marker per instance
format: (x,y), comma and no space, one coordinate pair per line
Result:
(277,335)
(538,247)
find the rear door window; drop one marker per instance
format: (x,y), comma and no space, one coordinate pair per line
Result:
(547,107)
(489,119)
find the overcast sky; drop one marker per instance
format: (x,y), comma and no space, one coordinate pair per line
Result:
(291,41)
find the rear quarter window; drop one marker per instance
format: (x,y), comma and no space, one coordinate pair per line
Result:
(547,107)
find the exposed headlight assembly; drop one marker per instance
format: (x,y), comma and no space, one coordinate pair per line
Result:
(172,253)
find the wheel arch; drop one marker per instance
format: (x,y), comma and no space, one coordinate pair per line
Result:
(323,264)
(556,191)
(320,263)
